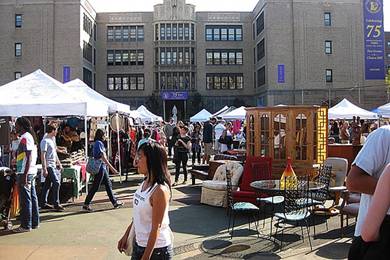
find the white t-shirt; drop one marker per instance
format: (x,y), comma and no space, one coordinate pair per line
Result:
(373,158)
(26,144)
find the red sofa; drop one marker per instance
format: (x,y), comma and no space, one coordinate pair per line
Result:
(255,168)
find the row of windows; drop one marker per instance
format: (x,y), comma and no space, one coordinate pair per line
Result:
(224,81)
(125,57)
(175,80)
(224,57)
(125,33)
(223,32)
(87,51)
(173,56)
(174,31)
(126,82)
(87,25)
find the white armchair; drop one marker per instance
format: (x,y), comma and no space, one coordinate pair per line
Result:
(214,192)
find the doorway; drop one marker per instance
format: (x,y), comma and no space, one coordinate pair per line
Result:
(180,106)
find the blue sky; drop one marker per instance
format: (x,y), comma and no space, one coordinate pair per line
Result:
(201,5)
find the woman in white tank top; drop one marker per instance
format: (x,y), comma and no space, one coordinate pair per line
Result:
(153,236)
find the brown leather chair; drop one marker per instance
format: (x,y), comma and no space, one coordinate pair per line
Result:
(349,207)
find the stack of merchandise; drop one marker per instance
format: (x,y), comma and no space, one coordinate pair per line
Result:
(68,160)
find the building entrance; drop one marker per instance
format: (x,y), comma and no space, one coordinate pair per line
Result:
(180,107)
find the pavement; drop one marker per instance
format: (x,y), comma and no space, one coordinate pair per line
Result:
(200,232)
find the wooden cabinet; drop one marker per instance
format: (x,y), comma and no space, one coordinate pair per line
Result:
(299,132)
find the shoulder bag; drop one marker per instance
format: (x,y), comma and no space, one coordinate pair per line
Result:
(93,165)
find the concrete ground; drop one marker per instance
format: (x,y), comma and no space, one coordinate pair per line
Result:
(200,232)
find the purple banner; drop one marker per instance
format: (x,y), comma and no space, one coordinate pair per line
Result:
(374,40)
(66,74)
(174,95)
(281,73)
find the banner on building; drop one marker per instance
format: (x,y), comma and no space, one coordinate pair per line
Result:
(66,74)
(281,73)
(174,95)
(374,40)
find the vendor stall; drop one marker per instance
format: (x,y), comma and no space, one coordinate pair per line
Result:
(347,110)
(201,116)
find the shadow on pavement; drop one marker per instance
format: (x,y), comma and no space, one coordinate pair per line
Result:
(334,250)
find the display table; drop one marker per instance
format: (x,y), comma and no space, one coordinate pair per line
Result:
(74,173)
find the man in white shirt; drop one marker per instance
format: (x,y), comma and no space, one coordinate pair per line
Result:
(366,170)
(218,130)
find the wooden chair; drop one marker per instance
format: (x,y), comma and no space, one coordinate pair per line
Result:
(349,208)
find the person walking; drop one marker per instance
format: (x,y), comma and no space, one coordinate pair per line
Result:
(50,162)
(182,147)
(26,171)
(153,236)
(363,177)
(195,144)
(208,138)
(99,153)
(168,130)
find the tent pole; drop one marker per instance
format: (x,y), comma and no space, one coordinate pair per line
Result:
(119,147)
(86,152)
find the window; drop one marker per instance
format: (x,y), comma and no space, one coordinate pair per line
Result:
(140,57)
(87,51)
(125,57)
(328,47)
(18,75)
(186,55)
(133,33)
(232,57)
(125,82)
(388,55)
(87,25)
(327,19)
(388,44)
(224,81)
(329,75)
(186,31)
(217,58)
(110,57)
(110,33)
(261,77)
(260,23)
(118,57)
(181,32)
(192,32)
(209,34)
(125,33)
(239,58)
(94,56)
(168,36)
(162,56)
(118,33)
(140,33)
(174,56)
(209,58)
(260,50)
(231,34)
(224,57)
(87,77)
(94,34)
(162,32)
(168,56)
(224,34)
(174,32)
(18,20)
(133,57)
(18,49)
(156,32)
(238,34)
(216,36)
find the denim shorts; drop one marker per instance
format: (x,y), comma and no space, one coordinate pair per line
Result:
(162,253)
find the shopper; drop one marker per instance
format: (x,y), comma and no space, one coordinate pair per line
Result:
(195,143)
(363,178)
(99,153)
(26,171)
(153,236)
(208,138)
(182,147)
(51,169)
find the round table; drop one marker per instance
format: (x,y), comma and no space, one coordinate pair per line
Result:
(273,186)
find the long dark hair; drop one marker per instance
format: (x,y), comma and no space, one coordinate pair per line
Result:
(99,134)
(157,163)
(25,125)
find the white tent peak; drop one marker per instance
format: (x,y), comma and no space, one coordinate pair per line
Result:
(236,114)
(201,116)
(347,110)
(146,115)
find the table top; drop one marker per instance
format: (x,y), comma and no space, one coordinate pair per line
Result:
(274,186)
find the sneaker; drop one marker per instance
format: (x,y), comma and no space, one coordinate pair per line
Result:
(59,208)
(87,208)
(21,229)
(36,227)
(184,182)
(118,205)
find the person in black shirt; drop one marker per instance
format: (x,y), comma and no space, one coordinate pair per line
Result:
(208,137)
(195,143)
(182,147)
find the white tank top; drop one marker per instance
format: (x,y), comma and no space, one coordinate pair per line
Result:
(142,219)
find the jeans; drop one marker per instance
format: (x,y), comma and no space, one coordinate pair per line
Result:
(29,213)
(53,180)
(170,146)
(102,176)
(163,253)
(182,159)
(195,154)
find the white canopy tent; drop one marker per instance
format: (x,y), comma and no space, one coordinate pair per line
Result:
(236,114)
(201,116)
(220,111)
(38,94)
(384,110)
(146,115)
(81,89)
(347,110)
